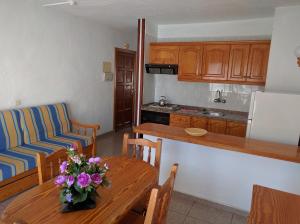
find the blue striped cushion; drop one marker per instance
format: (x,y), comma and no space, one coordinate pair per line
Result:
(17,160)
(69,139)
(43,122)
(10,130)
(22,158)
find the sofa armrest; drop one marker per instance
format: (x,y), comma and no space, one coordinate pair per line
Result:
(79,125)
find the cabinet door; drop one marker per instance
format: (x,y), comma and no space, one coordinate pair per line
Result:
(215,61)
(199,122)
(236,128)
(182,121)
(217,126)
(258,63)
(238,61)
(190,61)
(164,54)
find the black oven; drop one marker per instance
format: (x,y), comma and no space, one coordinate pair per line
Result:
(155,117)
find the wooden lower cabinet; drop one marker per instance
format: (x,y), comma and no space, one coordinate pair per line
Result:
(216,126)
(199,122)
(236,128)
(178,120)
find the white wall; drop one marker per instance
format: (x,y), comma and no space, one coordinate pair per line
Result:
(283,72)
(203,94)
(239,29)
(48,56)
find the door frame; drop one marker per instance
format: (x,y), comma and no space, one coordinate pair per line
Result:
(117,51)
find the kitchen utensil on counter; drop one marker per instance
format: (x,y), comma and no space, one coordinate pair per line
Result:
(162,101)
(195,131)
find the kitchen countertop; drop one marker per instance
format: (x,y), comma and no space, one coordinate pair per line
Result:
(231,143)
(198,111)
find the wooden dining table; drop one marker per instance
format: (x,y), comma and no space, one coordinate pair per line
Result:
(270,206)
(131,180)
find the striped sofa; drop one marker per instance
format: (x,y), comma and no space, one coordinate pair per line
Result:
(25,132)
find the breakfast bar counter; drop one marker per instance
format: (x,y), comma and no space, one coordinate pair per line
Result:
(222,168)
(226,142)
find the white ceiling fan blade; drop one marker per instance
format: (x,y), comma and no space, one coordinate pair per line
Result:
(60,3)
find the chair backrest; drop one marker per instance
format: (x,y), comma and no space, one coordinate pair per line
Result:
(160,199)
(48,166)
(139,145)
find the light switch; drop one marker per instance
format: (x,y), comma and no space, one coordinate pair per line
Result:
(107,67)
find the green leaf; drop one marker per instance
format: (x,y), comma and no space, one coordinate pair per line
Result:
(62,196)
(78,189)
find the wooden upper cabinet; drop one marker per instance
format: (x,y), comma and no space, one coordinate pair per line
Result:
(215,61)
(217,126)
(258,63)
(243,62)
(164,54)
(190,61)
(238,61)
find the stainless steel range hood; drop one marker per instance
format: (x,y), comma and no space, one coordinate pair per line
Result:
(171,69)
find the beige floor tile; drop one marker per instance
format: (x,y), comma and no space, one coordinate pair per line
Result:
(181,203)
(210,214)
(222,207)
(175,218)
(238,219)
(110,144)
(190,220)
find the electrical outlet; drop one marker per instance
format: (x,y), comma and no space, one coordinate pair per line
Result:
(18,103)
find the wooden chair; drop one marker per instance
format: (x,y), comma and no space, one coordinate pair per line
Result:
(139,145)
(48,166)
(158,204)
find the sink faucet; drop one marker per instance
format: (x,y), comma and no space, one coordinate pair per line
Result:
(220,98)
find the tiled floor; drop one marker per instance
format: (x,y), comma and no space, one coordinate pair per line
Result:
(184,209)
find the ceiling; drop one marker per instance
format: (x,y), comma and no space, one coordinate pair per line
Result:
(123,14)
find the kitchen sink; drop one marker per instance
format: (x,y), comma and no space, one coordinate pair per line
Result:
(213,113)
(185,110)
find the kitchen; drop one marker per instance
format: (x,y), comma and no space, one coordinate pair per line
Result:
(218,96)
(229,87)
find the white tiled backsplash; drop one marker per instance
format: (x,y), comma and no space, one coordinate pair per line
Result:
(203,94)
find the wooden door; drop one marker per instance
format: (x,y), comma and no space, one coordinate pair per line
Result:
(124,88)
(164,54)
(199,122)
(190,62)
(182,121)
(238,61)
(258,63)
(215,61)
(236,128)
(217,126)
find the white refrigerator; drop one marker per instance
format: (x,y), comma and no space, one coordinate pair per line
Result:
(274,117)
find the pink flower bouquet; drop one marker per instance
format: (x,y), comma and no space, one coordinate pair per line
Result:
(79,178)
